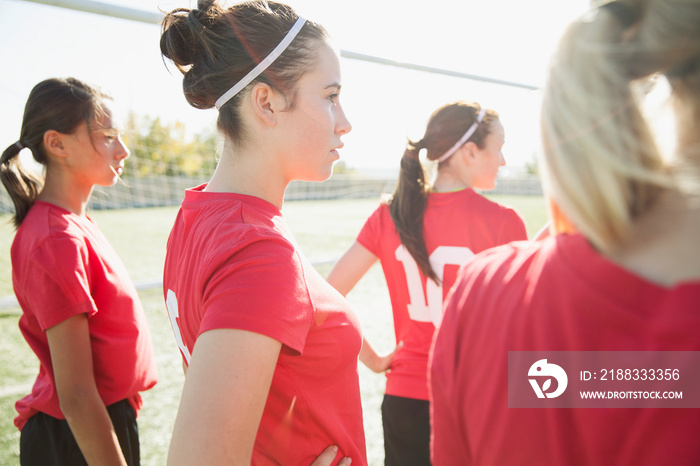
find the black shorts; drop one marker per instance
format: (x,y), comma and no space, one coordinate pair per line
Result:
(406,424)
(47,441)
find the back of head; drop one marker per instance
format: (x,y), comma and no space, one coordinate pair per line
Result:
(602,167)
(448,124)
(215,48)
(60,104)
(445,127)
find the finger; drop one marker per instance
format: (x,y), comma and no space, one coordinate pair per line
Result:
(398,347)
(326,457)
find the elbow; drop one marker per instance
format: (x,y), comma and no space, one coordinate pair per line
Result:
(74,401)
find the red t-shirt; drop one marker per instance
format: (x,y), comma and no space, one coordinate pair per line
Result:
(558,294)
(62,266)
(232,263)
(457,226)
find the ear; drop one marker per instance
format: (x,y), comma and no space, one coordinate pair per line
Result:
(267,103)
(54,143)
(468,152)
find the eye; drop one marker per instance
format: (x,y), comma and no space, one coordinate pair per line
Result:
(111,136)
(333,97)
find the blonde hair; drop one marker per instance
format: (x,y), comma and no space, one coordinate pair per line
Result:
(601,164)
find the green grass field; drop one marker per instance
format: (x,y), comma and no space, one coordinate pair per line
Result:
(323,229)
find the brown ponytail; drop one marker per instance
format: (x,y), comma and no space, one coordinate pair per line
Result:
(22,186)
(407,206)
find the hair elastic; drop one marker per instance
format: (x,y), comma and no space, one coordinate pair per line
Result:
(463,140)
(262,66)
(20,145)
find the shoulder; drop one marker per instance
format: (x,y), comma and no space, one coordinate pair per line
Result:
(378,220)
(383,211)
(505,221)
(502,266)
(221,223)
(496,208)
(46,226)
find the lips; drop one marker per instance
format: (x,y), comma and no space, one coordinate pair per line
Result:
(335,151)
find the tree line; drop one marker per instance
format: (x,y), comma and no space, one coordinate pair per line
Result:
(164,148)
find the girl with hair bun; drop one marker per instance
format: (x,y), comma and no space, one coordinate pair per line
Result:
(421,237)
(81,314)
(271,349)
(620,271)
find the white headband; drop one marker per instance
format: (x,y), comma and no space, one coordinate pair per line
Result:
(463,140)
(262,66)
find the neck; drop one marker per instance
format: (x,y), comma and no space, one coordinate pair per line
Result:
(661,246)
(65,193)
(446,181)
(252,174)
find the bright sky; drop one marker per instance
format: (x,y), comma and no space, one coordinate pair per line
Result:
(503,39)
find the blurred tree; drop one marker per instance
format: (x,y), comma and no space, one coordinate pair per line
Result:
(164,149)
(341,168)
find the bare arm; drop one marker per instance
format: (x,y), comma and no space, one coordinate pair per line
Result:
(374,361)
(223,398)
(71,357)
(356,261)
(226,386)
(351,268)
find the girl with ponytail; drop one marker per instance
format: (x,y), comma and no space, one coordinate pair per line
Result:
(618,274)
(422,236)
(81,314)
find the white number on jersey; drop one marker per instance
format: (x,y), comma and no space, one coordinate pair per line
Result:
(427,307)
(174,313)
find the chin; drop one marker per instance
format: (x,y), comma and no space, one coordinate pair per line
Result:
(328,174)
(323,175)
(110,182)
(485,186)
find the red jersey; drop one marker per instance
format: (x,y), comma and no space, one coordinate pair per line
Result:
(232,263)
(558,294)
(62,266)
(457,226)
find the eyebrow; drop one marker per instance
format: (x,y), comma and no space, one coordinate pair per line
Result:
(336,85)
(111,131)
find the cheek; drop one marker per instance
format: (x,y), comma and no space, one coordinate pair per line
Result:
(315,125)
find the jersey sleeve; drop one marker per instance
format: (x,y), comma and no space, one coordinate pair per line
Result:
(60,281)
(261,288)
(370,234)
(513,228)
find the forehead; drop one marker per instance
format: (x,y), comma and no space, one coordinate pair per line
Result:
(496,131)
(326,68)
(106,118)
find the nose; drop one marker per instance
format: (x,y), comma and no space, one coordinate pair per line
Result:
(123,151)
(342,125)
(501,160)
